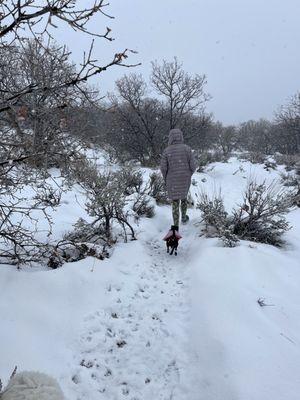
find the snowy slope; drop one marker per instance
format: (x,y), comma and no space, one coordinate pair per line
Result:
(144,325)
(245,351)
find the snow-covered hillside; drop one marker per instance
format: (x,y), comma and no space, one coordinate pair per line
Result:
(143,325)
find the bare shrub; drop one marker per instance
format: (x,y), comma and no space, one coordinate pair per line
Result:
(254,157)
(157,189)
(209,157)
(143,207)
(113,196)
(289,180)
(126,184)
(216,219)
(288,118)
(260,218)
(291,161)
(270,165)
(20,214)
(85,240)
(292,179)
(71,251)
(133,180)
(225,138)
(258,136)
(48,196)
(214,214)
(296,199)
(107,201)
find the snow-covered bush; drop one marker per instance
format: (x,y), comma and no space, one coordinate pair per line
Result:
(296,200)
(157,189)
(228,238)
(107,203)
(31,385)
(260,218)
(291,161)
(254,157)
(270,165)
(289,179)
(115,199)
(142,206)
(112,196)
(25,198)
(85,240)
(48,196)
(133,180)
(207,157)
(213,211)
(85,232)
(292,179)
(216,219)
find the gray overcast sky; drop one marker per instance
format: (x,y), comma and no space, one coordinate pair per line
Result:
(249,49)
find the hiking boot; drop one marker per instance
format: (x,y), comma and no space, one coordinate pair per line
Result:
(185,219)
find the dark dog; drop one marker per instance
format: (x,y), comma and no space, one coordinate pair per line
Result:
(172,240)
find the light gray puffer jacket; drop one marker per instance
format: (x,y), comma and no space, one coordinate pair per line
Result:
(177,166)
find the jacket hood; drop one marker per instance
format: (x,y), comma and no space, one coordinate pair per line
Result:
(175,136)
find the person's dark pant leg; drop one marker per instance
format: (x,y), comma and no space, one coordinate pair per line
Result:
(175,211)
(184,205)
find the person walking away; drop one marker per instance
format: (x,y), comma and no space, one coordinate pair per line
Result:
(177,167)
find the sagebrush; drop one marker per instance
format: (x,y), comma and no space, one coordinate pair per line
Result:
(259,218)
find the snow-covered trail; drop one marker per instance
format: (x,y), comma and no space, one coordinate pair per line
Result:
(139,347)
(143,324)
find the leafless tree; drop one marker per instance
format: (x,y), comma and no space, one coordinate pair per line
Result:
(140,122)
(225,138)
(258,136)
(42,86)
(138,127)
(182,92)
(288,119)
(42,64)
(19,16)
(43,71)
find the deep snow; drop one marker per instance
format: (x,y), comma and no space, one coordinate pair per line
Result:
(144,325)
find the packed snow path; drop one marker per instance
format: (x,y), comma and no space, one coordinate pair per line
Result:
(146,325)
(138,347)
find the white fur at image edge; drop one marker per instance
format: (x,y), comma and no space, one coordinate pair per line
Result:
(32,386)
